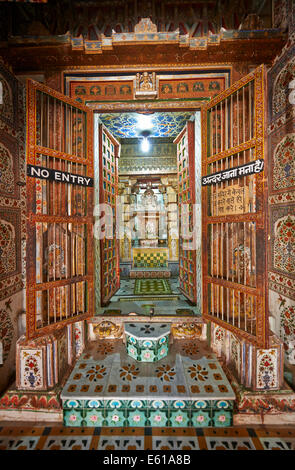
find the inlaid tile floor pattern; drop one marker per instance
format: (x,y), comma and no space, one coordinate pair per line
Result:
(28,437)
(127,286)
(152,286)
(109,388)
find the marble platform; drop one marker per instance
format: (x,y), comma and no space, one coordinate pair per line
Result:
(109,388)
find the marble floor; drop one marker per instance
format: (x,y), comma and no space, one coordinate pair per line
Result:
(125,301)
(189,365)
(56,437)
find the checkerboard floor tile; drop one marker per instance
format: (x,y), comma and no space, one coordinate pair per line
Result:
(19,437)
(152,286)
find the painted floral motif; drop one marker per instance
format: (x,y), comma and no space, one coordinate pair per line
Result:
(219,334)
(7,248)
(158,418)
(105,348)
(32,369)
(147,329)
(78,335)
(96,372)
(147,355)
(284,163)
(129,372)
(165,373)
(72,418)
(132,351)
(197,372)
(6,332)
(190,350)
(281,87)
(201,419)
(116,418)
(94,418)
(6,171)
(267,368)
(136,418)
(179,418)
(284,244)
(163,351)
(12,166)
(287,324)
(222,418)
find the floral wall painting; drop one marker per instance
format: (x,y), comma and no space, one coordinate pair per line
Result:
(284,163)
(284,244)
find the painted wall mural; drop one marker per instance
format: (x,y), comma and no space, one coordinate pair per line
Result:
(12,217)
(284,163)
(281,87)
(102,91)
(12,172)
(281,144)
(183,88)
(6,332)
(7,248)
(287,327)
(121,88)
(284,244)
(6,170)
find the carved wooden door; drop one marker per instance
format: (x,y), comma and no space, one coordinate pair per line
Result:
(185,142)
(109,152)
(234,208)
(60,210)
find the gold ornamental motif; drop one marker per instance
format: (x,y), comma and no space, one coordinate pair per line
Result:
(186,330)
(108,329)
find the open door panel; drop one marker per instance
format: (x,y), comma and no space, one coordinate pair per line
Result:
(185,143)
(109,152)
(60,210)
(234,209)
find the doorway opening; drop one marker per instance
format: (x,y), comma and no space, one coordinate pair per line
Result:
(148,170)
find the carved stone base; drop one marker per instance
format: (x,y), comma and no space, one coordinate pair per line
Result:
(23,405)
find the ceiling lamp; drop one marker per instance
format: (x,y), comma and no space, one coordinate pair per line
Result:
(145,144)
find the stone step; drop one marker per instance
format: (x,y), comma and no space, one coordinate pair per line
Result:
(109,388)
(135,298)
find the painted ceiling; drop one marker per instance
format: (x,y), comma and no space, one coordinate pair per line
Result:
(125,125)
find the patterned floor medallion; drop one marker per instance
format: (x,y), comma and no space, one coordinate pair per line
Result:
(152,287)
(186,388)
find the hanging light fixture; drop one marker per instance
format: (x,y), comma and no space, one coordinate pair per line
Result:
(145,144)
(145,126)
